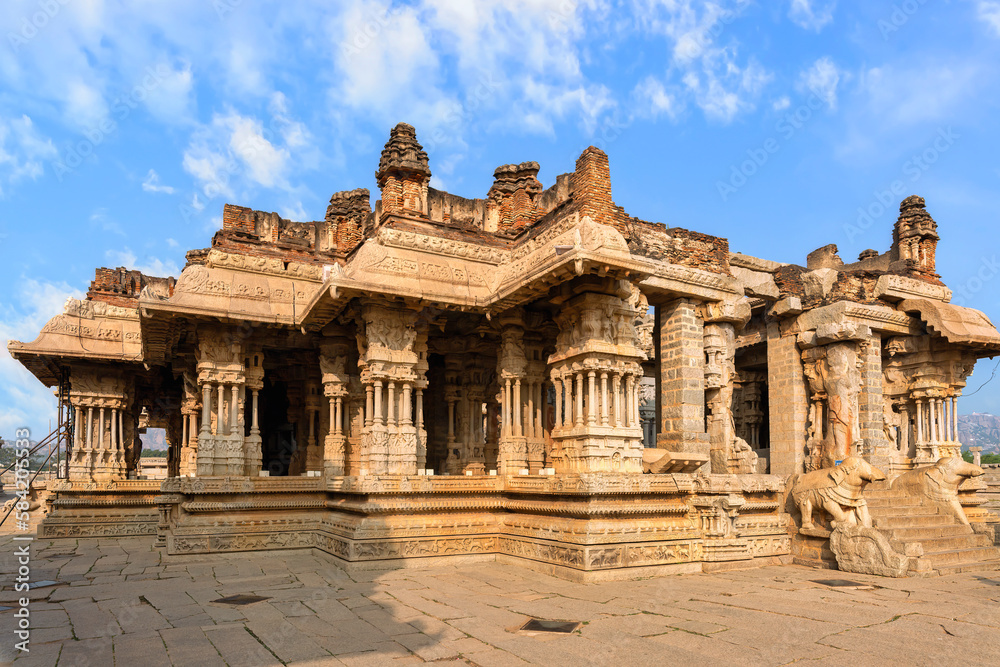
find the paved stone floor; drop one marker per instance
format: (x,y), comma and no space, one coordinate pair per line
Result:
(122,602)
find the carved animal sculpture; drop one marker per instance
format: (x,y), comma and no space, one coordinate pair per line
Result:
(32,498)
(939,483)
(837,490)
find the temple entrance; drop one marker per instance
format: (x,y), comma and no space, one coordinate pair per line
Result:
(750,399)
(277,433)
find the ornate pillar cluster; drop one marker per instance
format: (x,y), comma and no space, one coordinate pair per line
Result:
(923,381)
(394,372)
(535,399)
(596,370)
(336,389)
(221,378)
(102,434)
(512,368)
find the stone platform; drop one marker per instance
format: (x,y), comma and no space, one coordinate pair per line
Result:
(122,601)
(585,527)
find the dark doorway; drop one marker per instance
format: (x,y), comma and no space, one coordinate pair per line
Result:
(436,413)
(277,433)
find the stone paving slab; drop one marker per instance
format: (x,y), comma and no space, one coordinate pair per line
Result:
(316,614)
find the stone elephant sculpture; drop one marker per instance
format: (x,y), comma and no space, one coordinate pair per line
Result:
(836,490)
(939,483)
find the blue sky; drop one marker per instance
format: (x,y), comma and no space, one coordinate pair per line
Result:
(783,126)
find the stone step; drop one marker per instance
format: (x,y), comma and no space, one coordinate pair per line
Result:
(913,521)
(883,493)
(918,533)
(892,503)
(954,543)
(953,556)
(975,566)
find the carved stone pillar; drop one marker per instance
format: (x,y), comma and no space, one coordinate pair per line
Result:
(191,405)
(101,395)
(314,406)
(220,365)
(511,370)
(558,385)
(871,405)
(789,406)
(597,337)
(393,354)
(475,444)
(492,433)
(729,452)
(333,365)
(682,380)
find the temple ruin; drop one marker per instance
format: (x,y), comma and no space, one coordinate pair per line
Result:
(534,376)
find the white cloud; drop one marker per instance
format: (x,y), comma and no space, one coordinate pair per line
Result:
(171,100)
(898,95)
(265,163)
(989,13)
(295,212)
(821,79)
(23,151)
(152,184)
(85,104)
(543,103)
(24,401)
(653,99)
(722,95)
(386,62)
(812,14)
(237,150)
(210,167)
(704,59)
(453,65)
(781,103)
(150,266)
(100,218)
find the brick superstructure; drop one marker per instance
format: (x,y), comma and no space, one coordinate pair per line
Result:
(238,219)
(122,287)
(512,198)
(591,183)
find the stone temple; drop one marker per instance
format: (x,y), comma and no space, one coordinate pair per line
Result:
(534,376)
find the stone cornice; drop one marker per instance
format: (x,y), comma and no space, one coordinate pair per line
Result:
(891,287)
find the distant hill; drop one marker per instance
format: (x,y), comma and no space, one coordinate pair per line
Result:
(980,430)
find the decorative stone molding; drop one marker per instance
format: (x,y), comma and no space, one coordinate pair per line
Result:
(865,550)
(892,287)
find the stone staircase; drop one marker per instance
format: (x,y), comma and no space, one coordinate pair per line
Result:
(915,525)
